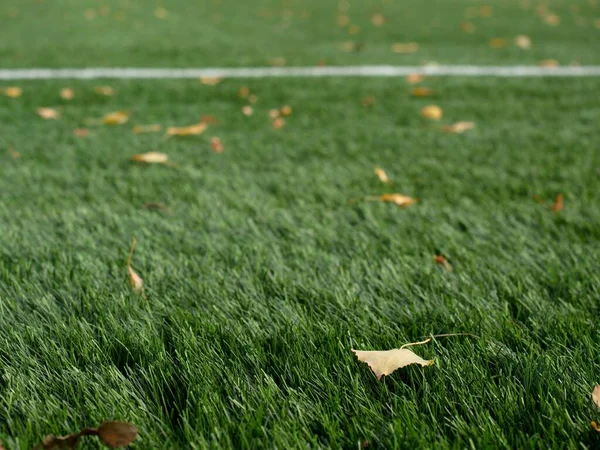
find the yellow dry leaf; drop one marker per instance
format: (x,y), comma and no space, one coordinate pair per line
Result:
(216,144)
(47,113)
(135,281)
(247,110)
(378,19)
(150,158)
(384,362)
(67,94)
(548,63)
(422,92)
(592,423)
(432,112)
(244,91)
(551,19)
(523,41)
(498,43)
(405,47)
(104,90)
(596,395)
(459,127)
(117,434)
(414,78)
(467,27)
(191,130)
(161,13)
(278,123)
(285,110)
(139,129)
(116,118)
(381,175)
(13,91)
(210,81)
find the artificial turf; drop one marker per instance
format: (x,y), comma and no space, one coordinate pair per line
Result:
(262,276)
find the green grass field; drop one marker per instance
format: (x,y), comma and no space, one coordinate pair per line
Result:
(264,274)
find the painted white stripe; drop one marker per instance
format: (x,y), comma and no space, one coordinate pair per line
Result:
(267,72)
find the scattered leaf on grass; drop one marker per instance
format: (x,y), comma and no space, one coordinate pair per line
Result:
(405,47)
(216,144)
(117,434)
(191,130)
(67,94)
(161,13)
(354,29)
(278,61)
(107,91)
(135,281)
(523,41)
(51,442)
(558,206)
(596,395)
(421,92)
(47,113)
(551,19)
(369,100)
(414,78)
(274,114)
(116,118)
(343,20)
(244,92)
(13,153)
(384,362)
(432,112)
(498,43)
(278,123)
(247,110)
(139,129)
(378,19)
(209,120)
(592,423)
(459,127)
(150,158)
(486,11)
(210,81)
(381,175)
(13,92)
(467,27)
(81,132)
(252,98)
(548,63)
(398,199)
(443,262)
(285,110)
(153,206)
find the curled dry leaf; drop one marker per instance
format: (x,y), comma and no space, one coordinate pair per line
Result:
(151,158)
(116,118)
(135,281)
(523,41)
(414,78)
(117,434)
(191,130)
(443,262)
(459,127)
(107,91)
(405,47)
(422,92)
(381,175)
(47,113)
(216,144)
(139,129)
(559,204)
(67,94)
(384,362)
(247,110)
(286,110)
(432,112)
(210,81)
(13,92)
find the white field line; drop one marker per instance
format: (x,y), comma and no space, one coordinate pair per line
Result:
(275,72)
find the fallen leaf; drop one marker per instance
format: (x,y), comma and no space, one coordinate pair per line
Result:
(160,13)
(551,19)
(432,112)
(209,120)
(191,130)
(459,127)
(557,207)
(278,61)
(216,144)
(247,110)
(421,92)
(104,90)
(13,154)
(155,206)
(414,78)
(81,132)
(381,175)
(244,91)
(405,47)
(548,63)
(285,110)
(278,123)
(135,281)
(441,261)
(384,362)
(343,20)
(369,100)
(350,46)
(210,81)
(398,199)
(523,41)
(139,129)
(48,113)
(354,29)
(150,158)
(90,14)
(51,442)
(467,27)
(274,114)
(116,118)
(596,395)
(378,19)
(252,98)
(486,11)
(67,94)
(498,43)
(592,423)
(13,92)
(117,434)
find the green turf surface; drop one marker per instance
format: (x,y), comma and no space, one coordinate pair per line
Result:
(263,277)
(200,33)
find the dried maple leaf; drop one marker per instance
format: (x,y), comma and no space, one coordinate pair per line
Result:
(285,110)
(498,43)
(135,281)
(67,94)
(116,118)
(216,144)
(139,129)
(523,41)
(210,81)
(151,158)
(432,112)
(117,434)
(384,362)
(191,130)
(595,426)
(405,47)
(414,78)
(381,175)
(81,132)
(441,261)
(104,90)
(459,127)
(596,395)
(13,92)
(558,203)
(47,113)
(278,123)
(247,110)
(421,92)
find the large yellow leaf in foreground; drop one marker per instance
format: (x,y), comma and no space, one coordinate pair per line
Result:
(384,362)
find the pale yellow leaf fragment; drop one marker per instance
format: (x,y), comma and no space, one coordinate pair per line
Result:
(150,158)
(378,19)
(191,130)
(548,63)
(48,113)
(384,362)
(405,47)
(13,92)
(139,129)
(523,41)
(459,127)
(274,114)
(116,118)
(67,94)
(135,281)
(432,112)
(244,92)
(210,81)
(382,175)
(247,110)
(596,395)
(398,199)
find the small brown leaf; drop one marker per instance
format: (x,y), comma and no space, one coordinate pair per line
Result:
(369,100)
(247,110)
(486,11)
(278,123)
(405,47)
(116,118)
(210,81)
(135,281)
(67,94)
(286,110)
(51,442)
(384,362)
(191,130)
(548,63)
(216,144)
(252,99)
(117,434)
(414,78)
(378,19)
(151,158)
(441,261)
(558,205)
(421,92)
(244,92)
(498,43)
(13,92)
(107,91)
(209,120)
(139,129)
(523,41)
(382,175)
(467,27)
(153,206)
(595,426)
(432,112)
(459,127)
(48,113)
(81,132)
